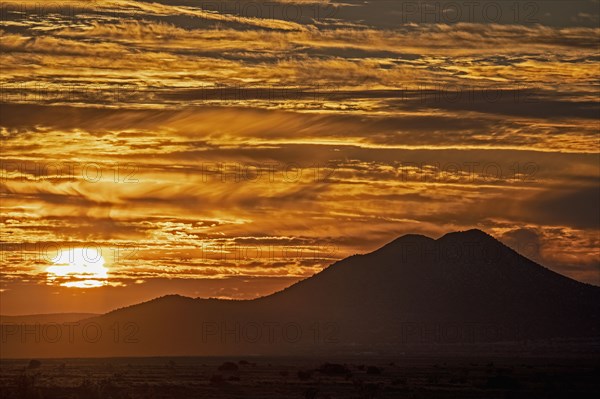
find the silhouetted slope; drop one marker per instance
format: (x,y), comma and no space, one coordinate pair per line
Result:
(46,318)
(462,278)
(464,288)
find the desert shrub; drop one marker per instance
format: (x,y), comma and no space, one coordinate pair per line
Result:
(229,367)
(334,369)
(34,364)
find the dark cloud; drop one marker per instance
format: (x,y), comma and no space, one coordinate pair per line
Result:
(578,207)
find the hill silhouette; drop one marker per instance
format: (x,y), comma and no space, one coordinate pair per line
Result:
(46,318)
(465,289)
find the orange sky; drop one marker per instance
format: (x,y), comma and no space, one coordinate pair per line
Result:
(216,153)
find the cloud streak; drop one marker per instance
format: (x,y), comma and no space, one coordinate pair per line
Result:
(217,152)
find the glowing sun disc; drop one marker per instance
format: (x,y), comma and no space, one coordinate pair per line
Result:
(78,267)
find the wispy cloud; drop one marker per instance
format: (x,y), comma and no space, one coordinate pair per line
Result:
(240,151)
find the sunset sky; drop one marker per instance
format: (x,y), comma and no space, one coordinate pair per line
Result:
(230,148)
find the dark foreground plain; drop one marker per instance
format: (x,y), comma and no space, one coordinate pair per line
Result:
(282,378)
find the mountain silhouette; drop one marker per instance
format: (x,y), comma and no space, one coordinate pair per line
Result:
(46,318)
(465,289)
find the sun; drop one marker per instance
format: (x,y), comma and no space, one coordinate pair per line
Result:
(79,268)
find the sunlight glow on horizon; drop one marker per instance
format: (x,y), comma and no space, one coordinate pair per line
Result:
(85,265)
